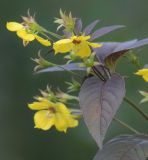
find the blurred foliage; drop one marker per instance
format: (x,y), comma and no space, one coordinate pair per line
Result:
(18,139)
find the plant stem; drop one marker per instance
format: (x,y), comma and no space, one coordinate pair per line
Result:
(53,34)
(132,104)
(125,125)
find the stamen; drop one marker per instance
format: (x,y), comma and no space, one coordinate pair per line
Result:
(76,41)
(52,110)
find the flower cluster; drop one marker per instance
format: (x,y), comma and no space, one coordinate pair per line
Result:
(51,107)
(97,60)
(50,114)
(101,89)
(79,45)
(30,30)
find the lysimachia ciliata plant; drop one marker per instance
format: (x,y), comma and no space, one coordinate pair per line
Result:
(100,88)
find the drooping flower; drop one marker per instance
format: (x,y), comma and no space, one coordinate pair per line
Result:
(144,73)
(24,32)
(77,44)
(50,114)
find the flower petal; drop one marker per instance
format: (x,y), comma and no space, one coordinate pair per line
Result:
(95,45)
(44,119)
(84,38)
(14,26)
(61,123)
(43,41)
(82,50)
(62,108)
(25,36)
(143,73)
(63,46)
(145,77)
(43,104)
(72,122)
(80,38)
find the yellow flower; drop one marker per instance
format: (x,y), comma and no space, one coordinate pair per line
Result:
(50,114)
(78,44)
(25,33)
(144,73)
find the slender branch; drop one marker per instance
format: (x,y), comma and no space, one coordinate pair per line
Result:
(132,104)
(125,125)
(53,34)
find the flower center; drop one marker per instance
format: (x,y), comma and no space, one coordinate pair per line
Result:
(52,110)
(76,41)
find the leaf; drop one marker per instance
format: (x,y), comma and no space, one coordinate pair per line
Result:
(110,48)
(146,66)
(101,32)
(78,26)
(69,67)
(113,50)
(99,101)
(67,34)
(140,43)
(127,147)
(88,29)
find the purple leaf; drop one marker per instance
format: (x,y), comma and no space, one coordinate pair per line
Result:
(146,66)
(125,147)
(100,32)
(140,43)
(78,26)
(88,29)
(67,34)
(69,67)
(106,49)
(113,50)
(99,101)
(110,48)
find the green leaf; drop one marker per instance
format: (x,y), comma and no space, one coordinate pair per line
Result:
(126,147)
(99,101)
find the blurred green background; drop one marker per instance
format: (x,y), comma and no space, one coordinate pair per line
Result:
(18,139)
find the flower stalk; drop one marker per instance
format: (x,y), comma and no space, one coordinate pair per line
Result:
(125,125)
(132,104)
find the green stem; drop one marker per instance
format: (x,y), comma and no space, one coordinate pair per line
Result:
(132,104)
(53,34)
(43,30)
(125,125)
(46,36)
